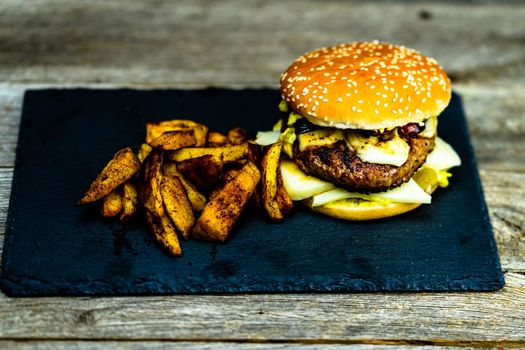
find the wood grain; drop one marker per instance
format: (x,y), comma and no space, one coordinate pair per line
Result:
(436,317)
(248,43)
(154,345)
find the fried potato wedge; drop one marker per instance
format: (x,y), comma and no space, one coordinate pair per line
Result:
(216,139)
(269,165)
(174,140)
(130,201)
(119,169)
(197,199)
(177,204)
(284,201)
(112,204)
(150,194)
(236,136)
(225,206)
(254,156)
(226,154)
(164,232)
(154,130)
(144,151)
(203,172)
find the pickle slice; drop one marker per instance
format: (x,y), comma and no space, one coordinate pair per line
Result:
(427,179)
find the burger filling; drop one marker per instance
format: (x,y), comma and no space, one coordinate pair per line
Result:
(332,164)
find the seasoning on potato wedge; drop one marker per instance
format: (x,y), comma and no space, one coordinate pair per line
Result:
(222,211)
(269,166)
(119,169)
(130,201)
(112,204)
(178,166)
(177,204)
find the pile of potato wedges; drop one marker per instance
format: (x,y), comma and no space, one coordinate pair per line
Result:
(191,182)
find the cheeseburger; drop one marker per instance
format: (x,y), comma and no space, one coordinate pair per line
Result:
(360,130)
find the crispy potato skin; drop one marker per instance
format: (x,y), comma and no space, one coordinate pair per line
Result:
(174,140)
(119,169)
(164,232)
(197,199)
(144,151)
(254,156)
(203,172)
(226,154)
(236,136)
(130,201)
(216,139)
(112,204)
(151,196)
(225,206)
(177,204)
(154,130)
(179,161)
(284,201)
(269,165)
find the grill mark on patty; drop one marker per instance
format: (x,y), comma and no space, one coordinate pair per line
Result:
(341,166)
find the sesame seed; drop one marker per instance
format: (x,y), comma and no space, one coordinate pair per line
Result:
(339,99)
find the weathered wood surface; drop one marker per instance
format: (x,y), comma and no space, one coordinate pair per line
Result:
(441,318)
(155,345)
(248,43)
(240,41)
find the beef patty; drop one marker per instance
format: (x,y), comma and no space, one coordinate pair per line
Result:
(341,166)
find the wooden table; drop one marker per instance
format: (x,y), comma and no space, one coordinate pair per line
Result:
(248,43)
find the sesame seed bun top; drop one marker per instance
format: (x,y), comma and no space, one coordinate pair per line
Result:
(365,85)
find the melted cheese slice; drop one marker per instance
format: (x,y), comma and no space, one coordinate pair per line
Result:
(372,150)
(409,192)
(320,137)
(265,138)
(299,185)
(442,156)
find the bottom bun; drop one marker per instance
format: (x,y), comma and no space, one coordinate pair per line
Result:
(357,211)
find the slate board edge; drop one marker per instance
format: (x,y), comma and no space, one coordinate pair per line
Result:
(18,287)
(8,235)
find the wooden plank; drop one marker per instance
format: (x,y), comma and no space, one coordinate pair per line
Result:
(10,111)
(249,42)
(505,196)
(154,345)
(6,177)
(495,117)
(436,317)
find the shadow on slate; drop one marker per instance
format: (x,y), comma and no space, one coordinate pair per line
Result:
(53,247)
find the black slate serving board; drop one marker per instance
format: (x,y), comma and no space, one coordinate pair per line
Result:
(53,247)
